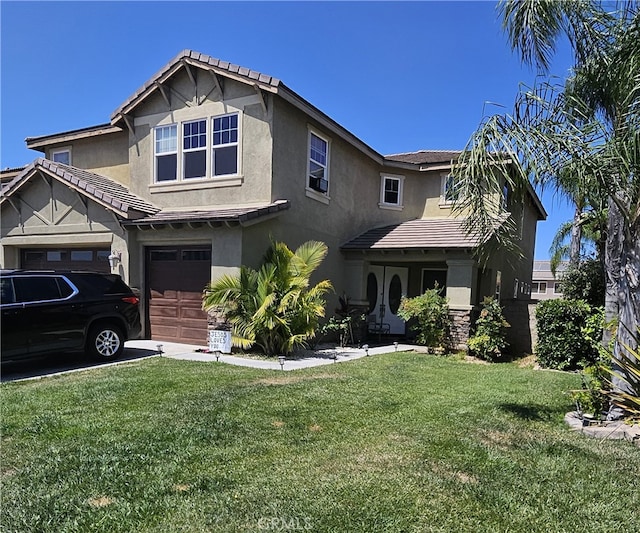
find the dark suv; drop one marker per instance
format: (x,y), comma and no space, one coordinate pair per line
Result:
(55,312)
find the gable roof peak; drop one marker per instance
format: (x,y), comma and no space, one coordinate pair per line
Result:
(107,192)
(188,58)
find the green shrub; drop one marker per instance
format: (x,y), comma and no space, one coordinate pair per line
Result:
(274,308)
(562,343)
(340,326)
(585,281)
(592,398)
(431,313)
(488,342)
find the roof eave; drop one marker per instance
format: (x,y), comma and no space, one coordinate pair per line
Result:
(41,142)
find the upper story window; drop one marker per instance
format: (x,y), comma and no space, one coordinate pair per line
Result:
(318,169)
(188,151)
(62,155)
(194,147)
(225,145)
(505,197)
(391,190)
(447,189)
(166,151)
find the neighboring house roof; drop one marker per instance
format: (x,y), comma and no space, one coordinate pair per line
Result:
(242,215)
(425,157)
(8,174)
(101,189)
(417,234)
(542,270)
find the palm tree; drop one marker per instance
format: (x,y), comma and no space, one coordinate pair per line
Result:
(274,308)
(587,129)
(592,234)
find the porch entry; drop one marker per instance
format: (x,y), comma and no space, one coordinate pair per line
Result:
(385,287)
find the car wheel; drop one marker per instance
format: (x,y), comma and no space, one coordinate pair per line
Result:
(105,342)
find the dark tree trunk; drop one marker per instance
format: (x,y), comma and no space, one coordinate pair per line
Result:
(576,238)
(622,301)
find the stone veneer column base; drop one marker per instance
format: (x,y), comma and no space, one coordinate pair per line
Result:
(460,327)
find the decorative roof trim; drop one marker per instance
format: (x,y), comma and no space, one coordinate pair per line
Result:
(196,59)
(113,196)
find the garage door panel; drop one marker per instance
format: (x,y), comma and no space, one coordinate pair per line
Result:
(160,332)
(176,278)
(164,311)
(193,314)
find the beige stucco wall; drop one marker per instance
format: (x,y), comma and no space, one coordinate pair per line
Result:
(106,154)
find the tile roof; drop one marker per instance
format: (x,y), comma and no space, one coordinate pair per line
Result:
(425,157)
(417,234)
(101,189)
(202,61)
(222,214)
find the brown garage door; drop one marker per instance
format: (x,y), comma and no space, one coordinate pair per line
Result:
(176,277)
(92,259)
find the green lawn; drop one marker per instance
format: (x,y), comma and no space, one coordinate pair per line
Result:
(393,443)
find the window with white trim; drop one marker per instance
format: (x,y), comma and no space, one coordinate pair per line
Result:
(224,158)
(447,189)
(187,151)
(539,287)
(166,153)
(391,189)
(62,155)
(318,169)
(194,149)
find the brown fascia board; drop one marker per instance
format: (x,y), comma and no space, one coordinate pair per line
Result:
(41,142)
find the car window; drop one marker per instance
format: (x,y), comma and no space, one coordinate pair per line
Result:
(6,291)
(101,284)
(37,289)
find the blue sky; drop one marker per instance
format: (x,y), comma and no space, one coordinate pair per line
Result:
(402,76)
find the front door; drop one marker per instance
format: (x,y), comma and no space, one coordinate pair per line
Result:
(385,288)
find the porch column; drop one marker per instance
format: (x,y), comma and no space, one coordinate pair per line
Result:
(461,281)
(226,252)
(355,281)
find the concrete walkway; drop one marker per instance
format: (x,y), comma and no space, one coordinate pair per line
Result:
(306,359)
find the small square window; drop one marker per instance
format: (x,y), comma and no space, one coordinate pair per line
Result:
(391,191)
(61,156)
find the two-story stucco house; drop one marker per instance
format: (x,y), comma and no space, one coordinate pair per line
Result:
(206,163)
